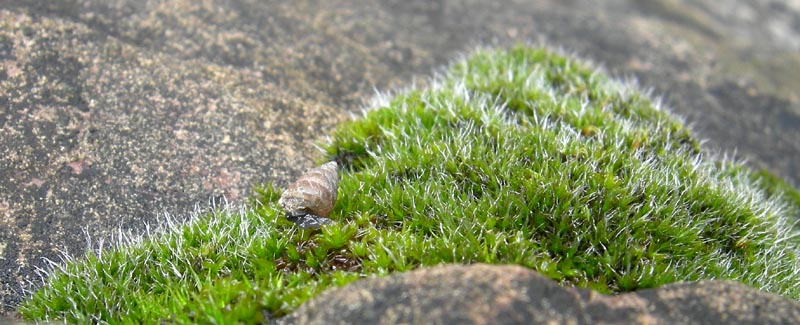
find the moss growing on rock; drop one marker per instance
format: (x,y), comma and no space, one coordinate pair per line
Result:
(519,156)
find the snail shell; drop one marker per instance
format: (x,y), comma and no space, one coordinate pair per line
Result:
(311,198)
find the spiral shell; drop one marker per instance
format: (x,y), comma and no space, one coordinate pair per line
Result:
(311,198)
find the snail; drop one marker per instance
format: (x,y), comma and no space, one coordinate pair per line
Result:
(309,200)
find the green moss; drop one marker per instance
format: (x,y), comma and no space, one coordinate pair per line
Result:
(520,156)
(774,186)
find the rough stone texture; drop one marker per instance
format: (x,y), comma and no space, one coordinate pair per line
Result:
(113,111)
(486,294)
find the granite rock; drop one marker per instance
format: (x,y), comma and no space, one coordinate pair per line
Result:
(486,294)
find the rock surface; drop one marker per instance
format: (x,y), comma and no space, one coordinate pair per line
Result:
(486,294)
(113,111)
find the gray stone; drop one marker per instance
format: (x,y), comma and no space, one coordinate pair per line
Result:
(486,294)
(113,111)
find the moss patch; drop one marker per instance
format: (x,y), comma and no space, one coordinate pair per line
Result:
(519,156)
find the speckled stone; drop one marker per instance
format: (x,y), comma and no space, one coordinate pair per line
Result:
(486,294)
(114,111)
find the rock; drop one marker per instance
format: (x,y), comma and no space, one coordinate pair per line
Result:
(114,112)
(486,294)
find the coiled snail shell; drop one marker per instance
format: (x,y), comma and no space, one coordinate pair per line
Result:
(310,200)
